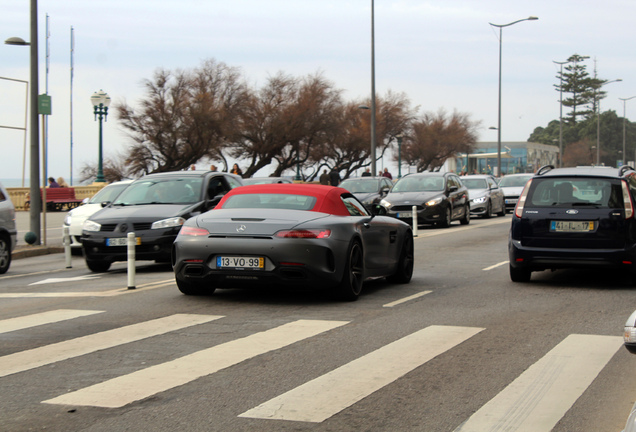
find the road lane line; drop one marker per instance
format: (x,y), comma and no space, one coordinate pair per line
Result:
(540,396)
(455,230)
(406,299)
(321,398)
(123,390)
(19,323)
(110,293)
(13,276)
(25,360)
(496,265)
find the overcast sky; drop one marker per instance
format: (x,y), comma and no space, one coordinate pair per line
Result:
(441,54)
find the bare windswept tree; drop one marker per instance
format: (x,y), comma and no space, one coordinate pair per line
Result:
(435,137)
(184,117)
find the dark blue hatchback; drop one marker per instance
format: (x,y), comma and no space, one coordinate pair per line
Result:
(574,217)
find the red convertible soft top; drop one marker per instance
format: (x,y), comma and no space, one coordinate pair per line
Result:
(327,197)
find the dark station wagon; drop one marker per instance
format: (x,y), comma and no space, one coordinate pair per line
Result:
(574,217)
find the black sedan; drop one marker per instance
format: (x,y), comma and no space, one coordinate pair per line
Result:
(154,208)
(294,235)
(369,190)
(438,197)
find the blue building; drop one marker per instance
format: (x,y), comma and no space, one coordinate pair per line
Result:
(516,157)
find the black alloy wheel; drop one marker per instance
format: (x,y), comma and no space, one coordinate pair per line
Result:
(404,271)
(446,221)
(97,266)
(350,287)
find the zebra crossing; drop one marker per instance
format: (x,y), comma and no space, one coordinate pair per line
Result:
(536,400)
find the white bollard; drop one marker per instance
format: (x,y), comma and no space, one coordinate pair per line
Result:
(414,209)
(66,241)
(131,242)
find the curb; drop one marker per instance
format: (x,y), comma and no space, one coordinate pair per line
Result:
(32,251)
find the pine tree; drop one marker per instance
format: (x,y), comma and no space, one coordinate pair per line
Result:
(583,89)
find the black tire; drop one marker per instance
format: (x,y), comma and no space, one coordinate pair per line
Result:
(350,287)
(446,221)
(519,274)
(488,212)
(404,271)
(503,210)
(5,254)
(466,219)
(191,288)
(98,266)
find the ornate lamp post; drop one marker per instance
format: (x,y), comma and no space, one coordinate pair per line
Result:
(100,101)
(501,26)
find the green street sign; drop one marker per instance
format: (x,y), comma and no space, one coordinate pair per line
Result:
(44,104)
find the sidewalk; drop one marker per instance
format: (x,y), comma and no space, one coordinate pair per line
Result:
(27,251)
(53,235)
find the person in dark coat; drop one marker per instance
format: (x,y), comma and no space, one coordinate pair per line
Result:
(334,176)
(367,173)
(324,178)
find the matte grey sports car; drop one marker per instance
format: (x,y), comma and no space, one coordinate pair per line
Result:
(294,235)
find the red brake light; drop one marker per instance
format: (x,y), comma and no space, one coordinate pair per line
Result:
(193,231)
(522,200)
(310,233)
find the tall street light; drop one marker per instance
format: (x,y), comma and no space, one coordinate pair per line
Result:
(560,111)
(373,171)
(598,121)
(100,101)
(625,121)
(501,26)
(35,206)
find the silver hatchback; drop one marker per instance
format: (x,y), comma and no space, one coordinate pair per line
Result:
(8,231)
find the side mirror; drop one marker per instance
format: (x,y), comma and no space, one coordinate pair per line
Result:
(85,201)
(105,203)
(378,210)
(453,188)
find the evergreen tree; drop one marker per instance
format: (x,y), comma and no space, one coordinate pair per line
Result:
(582,88)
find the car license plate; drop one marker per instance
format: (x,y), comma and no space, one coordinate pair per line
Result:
(571,226)
(121,241)
(239,262)
(405,214)
(511,201)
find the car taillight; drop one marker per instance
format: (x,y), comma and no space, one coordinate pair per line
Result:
(193,231)
(627,201)
(301,233)
(522,200)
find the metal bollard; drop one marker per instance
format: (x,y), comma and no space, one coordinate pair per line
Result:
(414,209)
(66,241)
(130,243)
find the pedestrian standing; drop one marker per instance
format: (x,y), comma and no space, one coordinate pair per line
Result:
(324,178)
(387,174)
(367,173)
(334,176)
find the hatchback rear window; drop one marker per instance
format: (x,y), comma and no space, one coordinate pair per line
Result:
(575,191)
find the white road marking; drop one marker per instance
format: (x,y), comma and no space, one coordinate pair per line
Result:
(13,276)
(405,299)
(321,398)
(110,293)
(19,323)
(59,280)
(540,396)
(123,390)
(25,360)
(455,230)
(496,265)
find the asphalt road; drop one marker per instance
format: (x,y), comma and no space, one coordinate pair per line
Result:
(460,348)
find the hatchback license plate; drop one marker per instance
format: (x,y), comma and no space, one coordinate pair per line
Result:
(571,226)
(405,214)
(121,241)
(239,262)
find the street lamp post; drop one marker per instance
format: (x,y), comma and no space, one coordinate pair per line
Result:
(399,140)
(625,121)
(35,205)
(560,112)
(100,101)
(501,26)
(373,167)
(598,120)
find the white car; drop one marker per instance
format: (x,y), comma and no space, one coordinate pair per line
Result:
(512,185)
(76,217)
